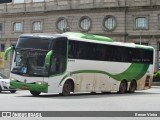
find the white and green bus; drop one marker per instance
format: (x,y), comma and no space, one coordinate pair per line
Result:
(77,62)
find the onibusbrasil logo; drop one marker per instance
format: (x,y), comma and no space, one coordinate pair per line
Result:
(21,114)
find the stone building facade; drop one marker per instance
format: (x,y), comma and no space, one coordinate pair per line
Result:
(135,21)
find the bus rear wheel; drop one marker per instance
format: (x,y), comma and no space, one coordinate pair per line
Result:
(66,88)
(123,87)
(35,93)
(133,86)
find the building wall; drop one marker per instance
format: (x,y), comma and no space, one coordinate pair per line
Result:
(49,11)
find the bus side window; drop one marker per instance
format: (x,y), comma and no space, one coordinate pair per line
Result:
(58,64)
(72,49)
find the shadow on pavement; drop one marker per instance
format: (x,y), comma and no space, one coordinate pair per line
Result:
(89,95)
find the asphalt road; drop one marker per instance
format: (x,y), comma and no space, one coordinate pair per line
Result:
(147,100)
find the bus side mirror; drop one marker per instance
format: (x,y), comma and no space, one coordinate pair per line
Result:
(7,52)
(48,57)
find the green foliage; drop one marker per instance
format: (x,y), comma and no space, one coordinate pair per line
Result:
(157,74)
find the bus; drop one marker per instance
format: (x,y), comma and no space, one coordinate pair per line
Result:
(76,62)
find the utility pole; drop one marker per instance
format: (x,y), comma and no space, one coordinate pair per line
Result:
(141,36)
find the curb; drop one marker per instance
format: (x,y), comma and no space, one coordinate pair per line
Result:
(155,83)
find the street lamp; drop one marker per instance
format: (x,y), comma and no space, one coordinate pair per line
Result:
(66,29)
(141,36)
(69,24)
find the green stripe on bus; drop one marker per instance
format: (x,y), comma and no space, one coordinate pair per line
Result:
(90,37)
(134,71)
(142,47)
(32,87)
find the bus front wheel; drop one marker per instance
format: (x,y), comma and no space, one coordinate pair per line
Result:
(66,88)
(123,87)
(35,93)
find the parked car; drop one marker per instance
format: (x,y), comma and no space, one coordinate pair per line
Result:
(4,84)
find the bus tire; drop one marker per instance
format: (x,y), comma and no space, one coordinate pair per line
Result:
(66,88)
(93,93)
(122,87)
(133,86)
(13,91)
(35,93)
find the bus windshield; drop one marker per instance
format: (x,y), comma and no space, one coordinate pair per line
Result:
(30,57)
(34,43)
(30,62)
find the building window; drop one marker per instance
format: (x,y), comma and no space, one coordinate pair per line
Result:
(85,23)
(109,23)
(141,23)
(1,27)
(84,1)
(143,43)
(2,47)
(61,24)
(37,26)
(18,1)
(18,27)
(140,0)
(5,1)
(38,0)
(110,1)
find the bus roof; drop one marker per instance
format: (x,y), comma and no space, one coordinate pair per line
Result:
(87,37)
(103,40)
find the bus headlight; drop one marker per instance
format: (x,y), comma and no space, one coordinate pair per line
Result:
(40,82)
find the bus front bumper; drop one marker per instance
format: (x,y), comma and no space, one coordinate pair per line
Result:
(29,86)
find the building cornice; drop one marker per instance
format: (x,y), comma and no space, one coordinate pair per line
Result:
(71,5)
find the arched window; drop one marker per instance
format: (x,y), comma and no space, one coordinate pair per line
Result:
(85,23)
(61,24)
(109,23)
